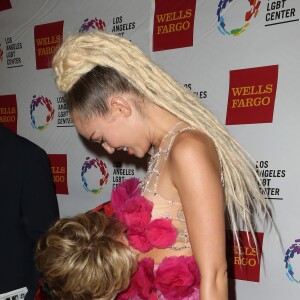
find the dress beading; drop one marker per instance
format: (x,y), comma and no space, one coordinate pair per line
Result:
(176,277)
(166,208)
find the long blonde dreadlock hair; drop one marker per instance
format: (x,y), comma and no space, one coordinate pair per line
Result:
(80,54)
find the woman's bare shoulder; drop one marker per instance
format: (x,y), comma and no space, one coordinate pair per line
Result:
(192,143)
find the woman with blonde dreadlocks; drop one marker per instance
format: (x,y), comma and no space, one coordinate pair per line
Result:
(175,217)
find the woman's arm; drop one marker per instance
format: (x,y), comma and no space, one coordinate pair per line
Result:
(196,173)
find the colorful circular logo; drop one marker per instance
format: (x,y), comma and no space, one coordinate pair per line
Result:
(289,256)
(97,24)
(247,16)
(88,177)
(41,112)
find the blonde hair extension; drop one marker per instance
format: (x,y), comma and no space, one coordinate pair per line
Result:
(79,54)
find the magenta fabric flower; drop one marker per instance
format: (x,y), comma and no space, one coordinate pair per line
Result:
(161,233)
(153,296)
(174,277)
(139,241)
(132,186)
(136,213)
(129,293)
(118,197)
(194,269)
(143,278)
(142,283)
(125,190)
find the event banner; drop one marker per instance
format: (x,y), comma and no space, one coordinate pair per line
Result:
(240,58)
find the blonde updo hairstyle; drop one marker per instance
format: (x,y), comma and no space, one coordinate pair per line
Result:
(94,52)
(84,258)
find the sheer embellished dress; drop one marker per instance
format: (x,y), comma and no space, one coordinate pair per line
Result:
(176,276)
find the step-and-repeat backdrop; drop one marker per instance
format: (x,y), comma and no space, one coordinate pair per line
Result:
(240,57)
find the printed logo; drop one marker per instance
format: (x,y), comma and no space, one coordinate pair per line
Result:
(48,38)
(11,51)
(270,179)
(5,4)
(41,112)
(63,118)
(119,27)
(59,169)
(95,23)
(9,112)
(279,12)
(94,175)
(244,262)
(236,17)
(173,24)
(289,258)
(120,173)
(251,97)
(200,94)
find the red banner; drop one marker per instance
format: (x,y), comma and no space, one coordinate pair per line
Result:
(173,24)
(252,94)
(9,112)
(60,172)
(48,38)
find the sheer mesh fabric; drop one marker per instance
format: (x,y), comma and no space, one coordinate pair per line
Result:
(163,207)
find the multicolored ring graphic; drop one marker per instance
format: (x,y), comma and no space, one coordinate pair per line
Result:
(289,255)
(99,164)
(92,24)
(254,6)
(35,103)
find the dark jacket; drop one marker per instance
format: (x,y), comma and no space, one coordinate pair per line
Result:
(28,206)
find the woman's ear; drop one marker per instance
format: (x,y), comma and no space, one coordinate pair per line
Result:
(119,105)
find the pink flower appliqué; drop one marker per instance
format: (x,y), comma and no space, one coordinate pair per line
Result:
(177,277)
(139,240)
(142,282)
(161,233)
(135,211)
(125,190)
